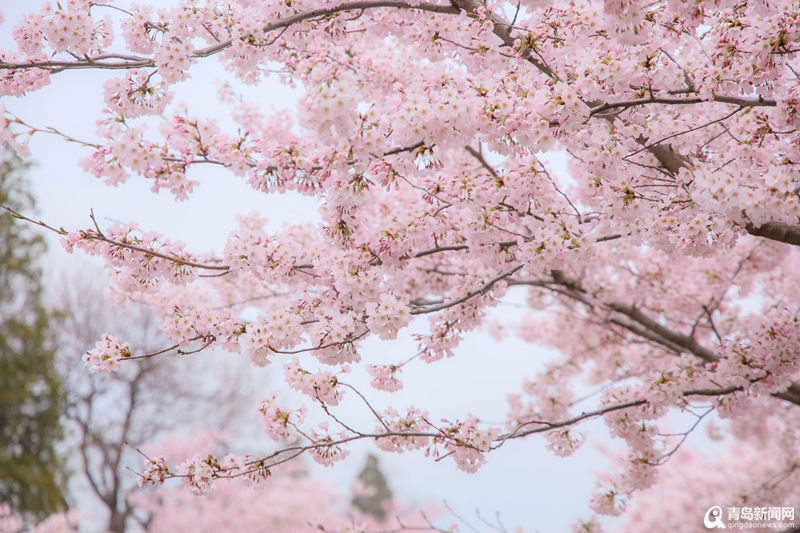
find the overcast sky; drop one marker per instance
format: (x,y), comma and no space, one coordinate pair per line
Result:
(528,486)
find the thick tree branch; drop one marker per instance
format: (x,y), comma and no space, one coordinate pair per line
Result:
(776,231)
(440,249)
(641,331)
(741,101)
(673,338)
(482,160)
(644,326)
(502,29)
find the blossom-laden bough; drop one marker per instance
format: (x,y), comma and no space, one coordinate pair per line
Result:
(420,129)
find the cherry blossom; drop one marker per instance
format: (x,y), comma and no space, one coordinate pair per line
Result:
(11,522)
(107,354)
(660,266)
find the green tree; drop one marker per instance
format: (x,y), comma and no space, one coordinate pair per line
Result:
(371,494)
(31,471)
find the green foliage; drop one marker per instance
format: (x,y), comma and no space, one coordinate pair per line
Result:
(372,495)
(31,472)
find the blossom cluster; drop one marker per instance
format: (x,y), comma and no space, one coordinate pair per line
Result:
(198,473)
(325,451)
(414,421)
(321,385)
(141,260)
(387,317)
(277,330)
(469,443)
(660,264)
(107,354)
(383,377)
(156,471)
(276,421)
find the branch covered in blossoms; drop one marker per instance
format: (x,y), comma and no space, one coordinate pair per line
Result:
(660,264)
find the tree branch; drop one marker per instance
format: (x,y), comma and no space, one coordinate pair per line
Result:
(776,231)
(482,160)
(733,100)
(481,290)
(135,62)
(645,327)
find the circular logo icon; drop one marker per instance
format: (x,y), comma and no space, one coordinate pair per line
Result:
(713,518)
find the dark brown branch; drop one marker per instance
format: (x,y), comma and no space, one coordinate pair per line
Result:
(411,148)
(445,435)
(131,63)
(733,100)
(441,249)
(547,426)
(502,29)
(503,245)
(482,160)
(649,146)
(481,290)
(673,338)
(98,236)
(159,352)
(671,160)
(644,326)
(641,331)
(350,340)
(776,231)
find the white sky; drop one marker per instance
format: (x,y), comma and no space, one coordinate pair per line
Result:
(528,486)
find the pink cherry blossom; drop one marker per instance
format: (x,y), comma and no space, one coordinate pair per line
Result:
(106,355)
(659,265)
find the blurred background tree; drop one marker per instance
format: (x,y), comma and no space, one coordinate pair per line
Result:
(69,437)
(107,417)
(371,493)
(32,476)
